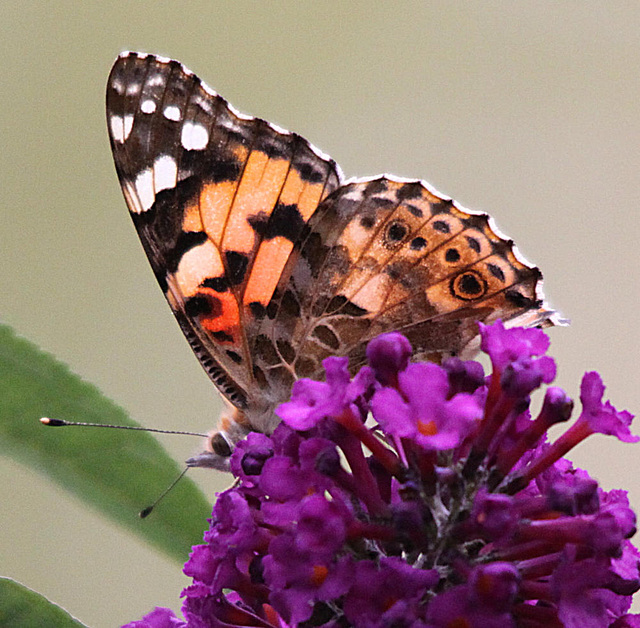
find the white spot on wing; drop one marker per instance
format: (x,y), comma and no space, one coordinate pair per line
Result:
(148,106)
(133,89)
(117,128)
(144,190)
(196,265)
(172,112)
(165,173)
(194,136)
(155,80)
(203,103)
(231,124)
(128,125)
(121,127)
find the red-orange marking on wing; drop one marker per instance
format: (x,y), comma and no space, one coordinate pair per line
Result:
(270,260)
(309,199)
(191,218)
(255,194)
(224,317)
(292,189)
(272,254)
(215,203)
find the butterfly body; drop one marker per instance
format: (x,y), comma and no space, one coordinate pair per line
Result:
(271,262)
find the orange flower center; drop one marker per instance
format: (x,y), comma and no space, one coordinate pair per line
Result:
(319,575)
(427,428)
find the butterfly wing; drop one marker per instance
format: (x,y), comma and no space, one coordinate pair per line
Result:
(386,254)
(218,200)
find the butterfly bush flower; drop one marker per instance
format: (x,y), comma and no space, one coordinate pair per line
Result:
(420,495)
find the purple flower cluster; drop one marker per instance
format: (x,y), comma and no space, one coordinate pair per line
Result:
(420,495)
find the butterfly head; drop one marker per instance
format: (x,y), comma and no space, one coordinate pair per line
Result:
(233,426)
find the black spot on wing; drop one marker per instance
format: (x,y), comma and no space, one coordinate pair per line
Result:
(286,350)
(222,336)
(326,336)
(496,271)
(470,284)
(260,377)
(476,221)
(441,225)
(452,255)
(219,284)
(367,221)
(272,309)
(236,264)
(396,232)
(341,305)
(273,147)
(416,211)
(474,244)
(382,202)
(309,173)
(257,310)
(376,186)
(211,167)
(236,357)
(306,163)
(197,305)
(409,191)
(520,300)
(223,170)
(285,221)
(267,140)
(290,305)
(166,212)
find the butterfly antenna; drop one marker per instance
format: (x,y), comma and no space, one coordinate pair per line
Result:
(63,423)
(145,512)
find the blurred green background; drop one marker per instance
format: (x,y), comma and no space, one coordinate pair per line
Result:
(528,110)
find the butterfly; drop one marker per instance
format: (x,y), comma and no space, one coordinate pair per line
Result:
(271,261)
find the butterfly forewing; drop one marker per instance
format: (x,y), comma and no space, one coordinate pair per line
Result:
(218,199)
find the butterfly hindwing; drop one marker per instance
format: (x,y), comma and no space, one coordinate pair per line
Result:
(385,254)
(218,200)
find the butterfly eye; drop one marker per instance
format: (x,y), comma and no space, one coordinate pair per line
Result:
(468,286)
(220,446)
(395,233)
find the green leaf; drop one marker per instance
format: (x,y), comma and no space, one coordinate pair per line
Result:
(116,471)
(21,607)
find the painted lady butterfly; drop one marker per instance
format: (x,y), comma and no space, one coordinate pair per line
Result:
(271,262)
